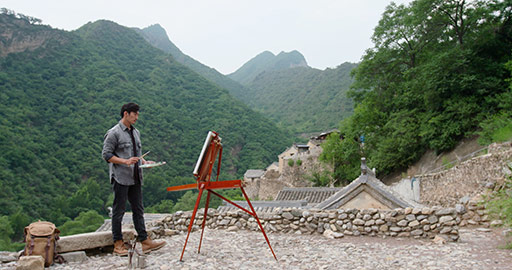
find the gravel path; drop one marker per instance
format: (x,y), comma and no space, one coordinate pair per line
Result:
(248,250)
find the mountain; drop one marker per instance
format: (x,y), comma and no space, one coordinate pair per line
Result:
(61,91)
(157,36)
(303,99)
(267,61)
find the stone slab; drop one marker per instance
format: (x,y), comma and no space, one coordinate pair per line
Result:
(91,240)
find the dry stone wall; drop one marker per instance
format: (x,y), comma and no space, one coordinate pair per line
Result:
(408,222)
(467,179)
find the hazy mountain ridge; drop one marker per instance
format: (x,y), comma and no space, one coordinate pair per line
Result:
(303,99)
(157,36)
(267,61)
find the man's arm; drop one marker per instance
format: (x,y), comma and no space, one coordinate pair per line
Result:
(109,146)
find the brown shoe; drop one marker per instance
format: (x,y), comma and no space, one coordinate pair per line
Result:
(120,249)
(150,245)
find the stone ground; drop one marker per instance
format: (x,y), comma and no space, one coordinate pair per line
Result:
(477,249)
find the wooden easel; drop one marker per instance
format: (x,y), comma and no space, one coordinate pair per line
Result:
(203,172)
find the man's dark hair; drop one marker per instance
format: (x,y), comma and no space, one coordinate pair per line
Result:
(130,107)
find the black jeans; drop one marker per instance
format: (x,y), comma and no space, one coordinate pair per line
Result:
(134,195)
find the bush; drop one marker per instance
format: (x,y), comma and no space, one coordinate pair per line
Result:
(299,162)
(499,205)
(88,221)
(290,162)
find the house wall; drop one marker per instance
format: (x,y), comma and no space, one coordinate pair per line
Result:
(364,200)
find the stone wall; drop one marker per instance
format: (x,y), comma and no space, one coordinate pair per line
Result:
(417,223)
(467,179)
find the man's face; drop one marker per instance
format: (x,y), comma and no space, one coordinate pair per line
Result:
(131,117)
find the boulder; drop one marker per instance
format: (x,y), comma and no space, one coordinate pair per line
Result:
(30,263)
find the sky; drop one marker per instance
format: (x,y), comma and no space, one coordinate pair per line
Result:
(225,34)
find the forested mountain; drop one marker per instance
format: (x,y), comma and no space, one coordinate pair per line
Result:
(303,99)
(437,73)
(267,61)
(157,36)
(61,91)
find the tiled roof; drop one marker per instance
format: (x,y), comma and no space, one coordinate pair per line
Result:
(386,194)
(263,206)
(310,194)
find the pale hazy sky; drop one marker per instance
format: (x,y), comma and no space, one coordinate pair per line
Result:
(224,34)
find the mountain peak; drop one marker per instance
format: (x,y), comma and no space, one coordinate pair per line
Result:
(267,61)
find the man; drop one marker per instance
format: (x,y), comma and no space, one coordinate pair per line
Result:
(122,151)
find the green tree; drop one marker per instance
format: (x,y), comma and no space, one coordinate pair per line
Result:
(88,221)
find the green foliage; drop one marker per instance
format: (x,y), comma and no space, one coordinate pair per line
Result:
(291,162)
(320,178)
(303,99)
(6,232)
(499,205)
(88,221)
(498,127)
(58,101)
(436,72)
(299,162)
(165,206)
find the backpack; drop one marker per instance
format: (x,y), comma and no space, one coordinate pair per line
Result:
(41,239)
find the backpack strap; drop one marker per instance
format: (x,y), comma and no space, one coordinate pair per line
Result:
(31,247)
(56,257)
(47,249)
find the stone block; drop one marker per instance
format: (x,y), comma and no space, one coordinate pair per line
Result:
(445,219)
(414,223)
(6,256)
(30,263)
(288,215)
(76,256)
(91,240)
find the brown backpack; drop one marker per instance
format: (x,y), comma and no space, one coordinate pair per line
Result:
(41,239)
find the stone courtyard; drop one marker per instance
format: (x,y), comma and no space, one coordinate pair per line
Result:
(478,248)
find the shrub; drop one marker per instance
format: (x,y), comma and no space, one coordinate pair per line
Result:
(299,162)
(290,162)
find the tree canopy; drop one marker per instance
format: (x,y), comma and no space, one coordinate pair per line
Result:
(436,71)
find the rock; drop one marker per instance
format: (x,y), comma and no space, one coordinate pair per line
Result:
(235,228)
(30,263)
(445,211)
(402,223)
(445,219)
(446,230)
(496,223)
(464,200)
(440,240)
(76,256)
(417,232)
(432,219)
(7,256)
(384,228)
(332,235)
(414,223)
(410,217)
(288,215)
(460,209)
(483,230)
(358,222)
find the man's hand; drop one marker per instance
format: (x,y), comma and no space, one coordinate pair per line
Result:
(132,160)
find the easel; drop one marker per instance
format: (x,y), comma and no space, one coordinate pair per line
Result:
(203,172)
